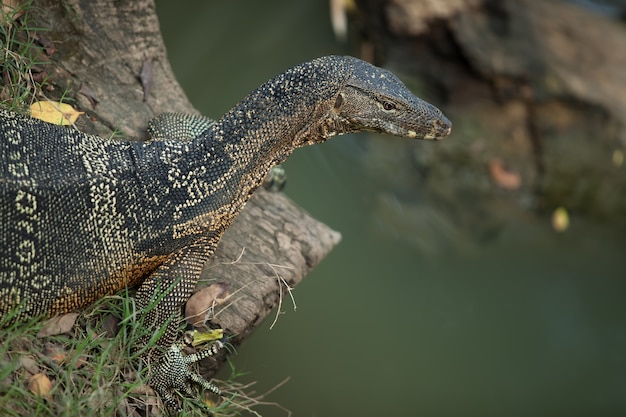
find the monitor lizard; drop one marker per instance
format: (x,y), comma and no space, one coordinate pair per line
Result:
(83,216)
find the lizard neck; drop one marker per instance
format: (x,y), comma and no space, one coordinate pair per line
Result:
(215,174)
(287,112)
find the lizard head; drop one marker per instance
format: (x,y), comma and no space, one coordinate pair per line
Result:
(373,99)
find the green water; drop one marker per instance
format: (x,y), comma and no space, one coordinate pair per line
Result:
(407,321)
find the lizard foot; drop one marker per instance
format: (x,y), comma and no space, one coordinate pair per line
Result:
(276,179)
(172,373)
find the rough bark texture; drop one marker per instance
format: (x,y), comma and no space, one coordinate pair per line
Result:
(100,50)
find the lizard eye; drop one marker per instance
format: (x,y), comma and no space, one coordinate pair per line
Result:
(388,106)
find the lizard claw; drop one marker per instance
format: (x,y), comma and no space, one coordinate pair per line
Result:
(172,373)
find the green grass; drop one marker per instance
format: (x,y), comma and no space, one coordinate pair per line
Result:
(23,58)
(84,378)
(95,370)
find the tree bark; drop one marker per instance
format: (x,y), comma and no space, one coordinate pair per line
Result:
(99,51)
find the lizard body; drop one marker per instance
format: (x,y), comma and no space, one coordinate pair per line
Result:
(83,216)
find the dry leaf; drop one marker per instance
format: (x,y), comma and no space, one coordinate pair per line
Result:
(40,385)
(57,356)
(502,176)
(54,112)
(10,11)
(58,325)
(110,324)
(203,301)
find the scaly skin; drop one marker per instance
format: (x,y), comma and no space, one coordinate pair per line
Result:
(82,216)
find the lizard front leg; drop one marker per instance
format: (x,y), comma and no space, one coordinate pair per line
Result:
(159,299)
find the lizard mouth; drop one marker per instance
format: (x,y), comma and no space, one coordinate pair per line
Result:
(437,130)
(440,129)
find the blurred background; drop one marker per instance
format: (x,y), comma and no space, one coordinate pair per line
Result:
(479,276)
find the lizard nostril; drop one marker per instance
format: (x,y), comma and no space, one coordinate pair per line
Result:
(445,126)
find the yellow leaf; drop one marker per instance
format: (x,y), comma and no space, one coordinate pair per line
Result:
(560,219)
(203,337)
(54,112)
(209,403)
